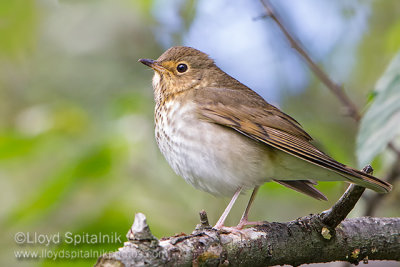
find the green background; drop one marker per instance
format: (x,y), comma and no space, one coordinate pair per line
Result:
(77,148)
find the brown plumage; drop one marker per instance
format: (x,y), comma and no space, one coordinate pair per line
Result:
(223,137)
(267,124)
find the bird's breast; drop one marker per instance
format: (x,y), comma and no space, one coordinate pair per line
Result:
(211,157)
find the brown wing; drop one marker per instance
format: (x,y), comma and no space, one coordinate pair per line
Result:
(246,112)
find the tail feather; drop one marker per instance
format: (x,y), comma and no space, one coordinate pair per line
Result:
(303,186)
(368,181)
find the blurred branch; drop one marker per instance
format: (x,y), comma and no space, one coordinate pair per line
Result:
(305,240)
(394,149)
(334,87)
(339,92)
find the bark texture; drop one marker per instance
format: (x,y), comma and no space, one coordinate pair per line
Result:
(305,240)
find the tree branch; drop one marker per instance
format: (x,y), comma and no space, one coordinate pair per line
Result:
(305,240)
(309,239)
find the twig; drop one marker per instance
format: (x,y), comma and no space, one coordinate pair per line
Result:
(334,87)
(345,204)
(342,208)
(204,224)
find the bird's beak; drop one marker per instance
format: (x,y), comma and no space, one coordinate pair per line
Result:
(152,64)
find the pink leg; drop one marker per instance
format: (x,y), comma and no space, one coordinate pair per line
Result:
(244,220)
(220,223)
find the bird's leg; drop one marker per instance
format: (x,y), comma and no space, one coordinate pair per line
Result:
(220,223)
(244,220)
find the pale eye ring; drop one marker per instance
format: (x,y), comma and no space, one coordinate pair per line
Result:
(181,67)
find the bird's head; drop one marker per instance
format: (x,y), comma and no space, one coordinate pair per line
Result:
(182,68)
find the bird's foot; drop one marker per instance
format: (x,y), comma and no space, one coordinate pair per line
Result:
(229,230)
(244,222)
(237,229)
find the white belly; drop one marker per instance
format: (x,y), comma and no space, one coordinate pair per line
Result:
(210,157)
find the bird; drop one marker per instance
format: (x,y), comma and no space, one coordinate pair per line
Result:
(223,138)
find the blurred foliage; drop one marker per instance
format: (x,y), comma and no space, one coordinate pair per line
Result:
(380,124)
(77,152)
(18,27)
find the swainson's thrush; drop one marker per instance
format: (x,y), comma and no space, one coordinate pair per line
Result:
(223,138)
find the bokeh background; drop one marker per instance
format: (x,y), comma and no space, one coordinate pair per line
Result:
(77,148)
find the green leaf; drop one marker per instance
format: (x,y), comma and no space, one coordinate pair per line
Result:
(381,123)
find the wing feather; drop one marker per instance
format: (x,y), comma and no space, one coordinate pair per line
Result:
(265,123)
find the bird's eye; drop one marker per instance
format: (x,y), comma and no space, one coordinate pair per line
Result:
(182,68)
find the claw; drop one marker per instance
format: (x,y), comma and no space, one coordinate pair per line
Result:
(244,222)
(233,230)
